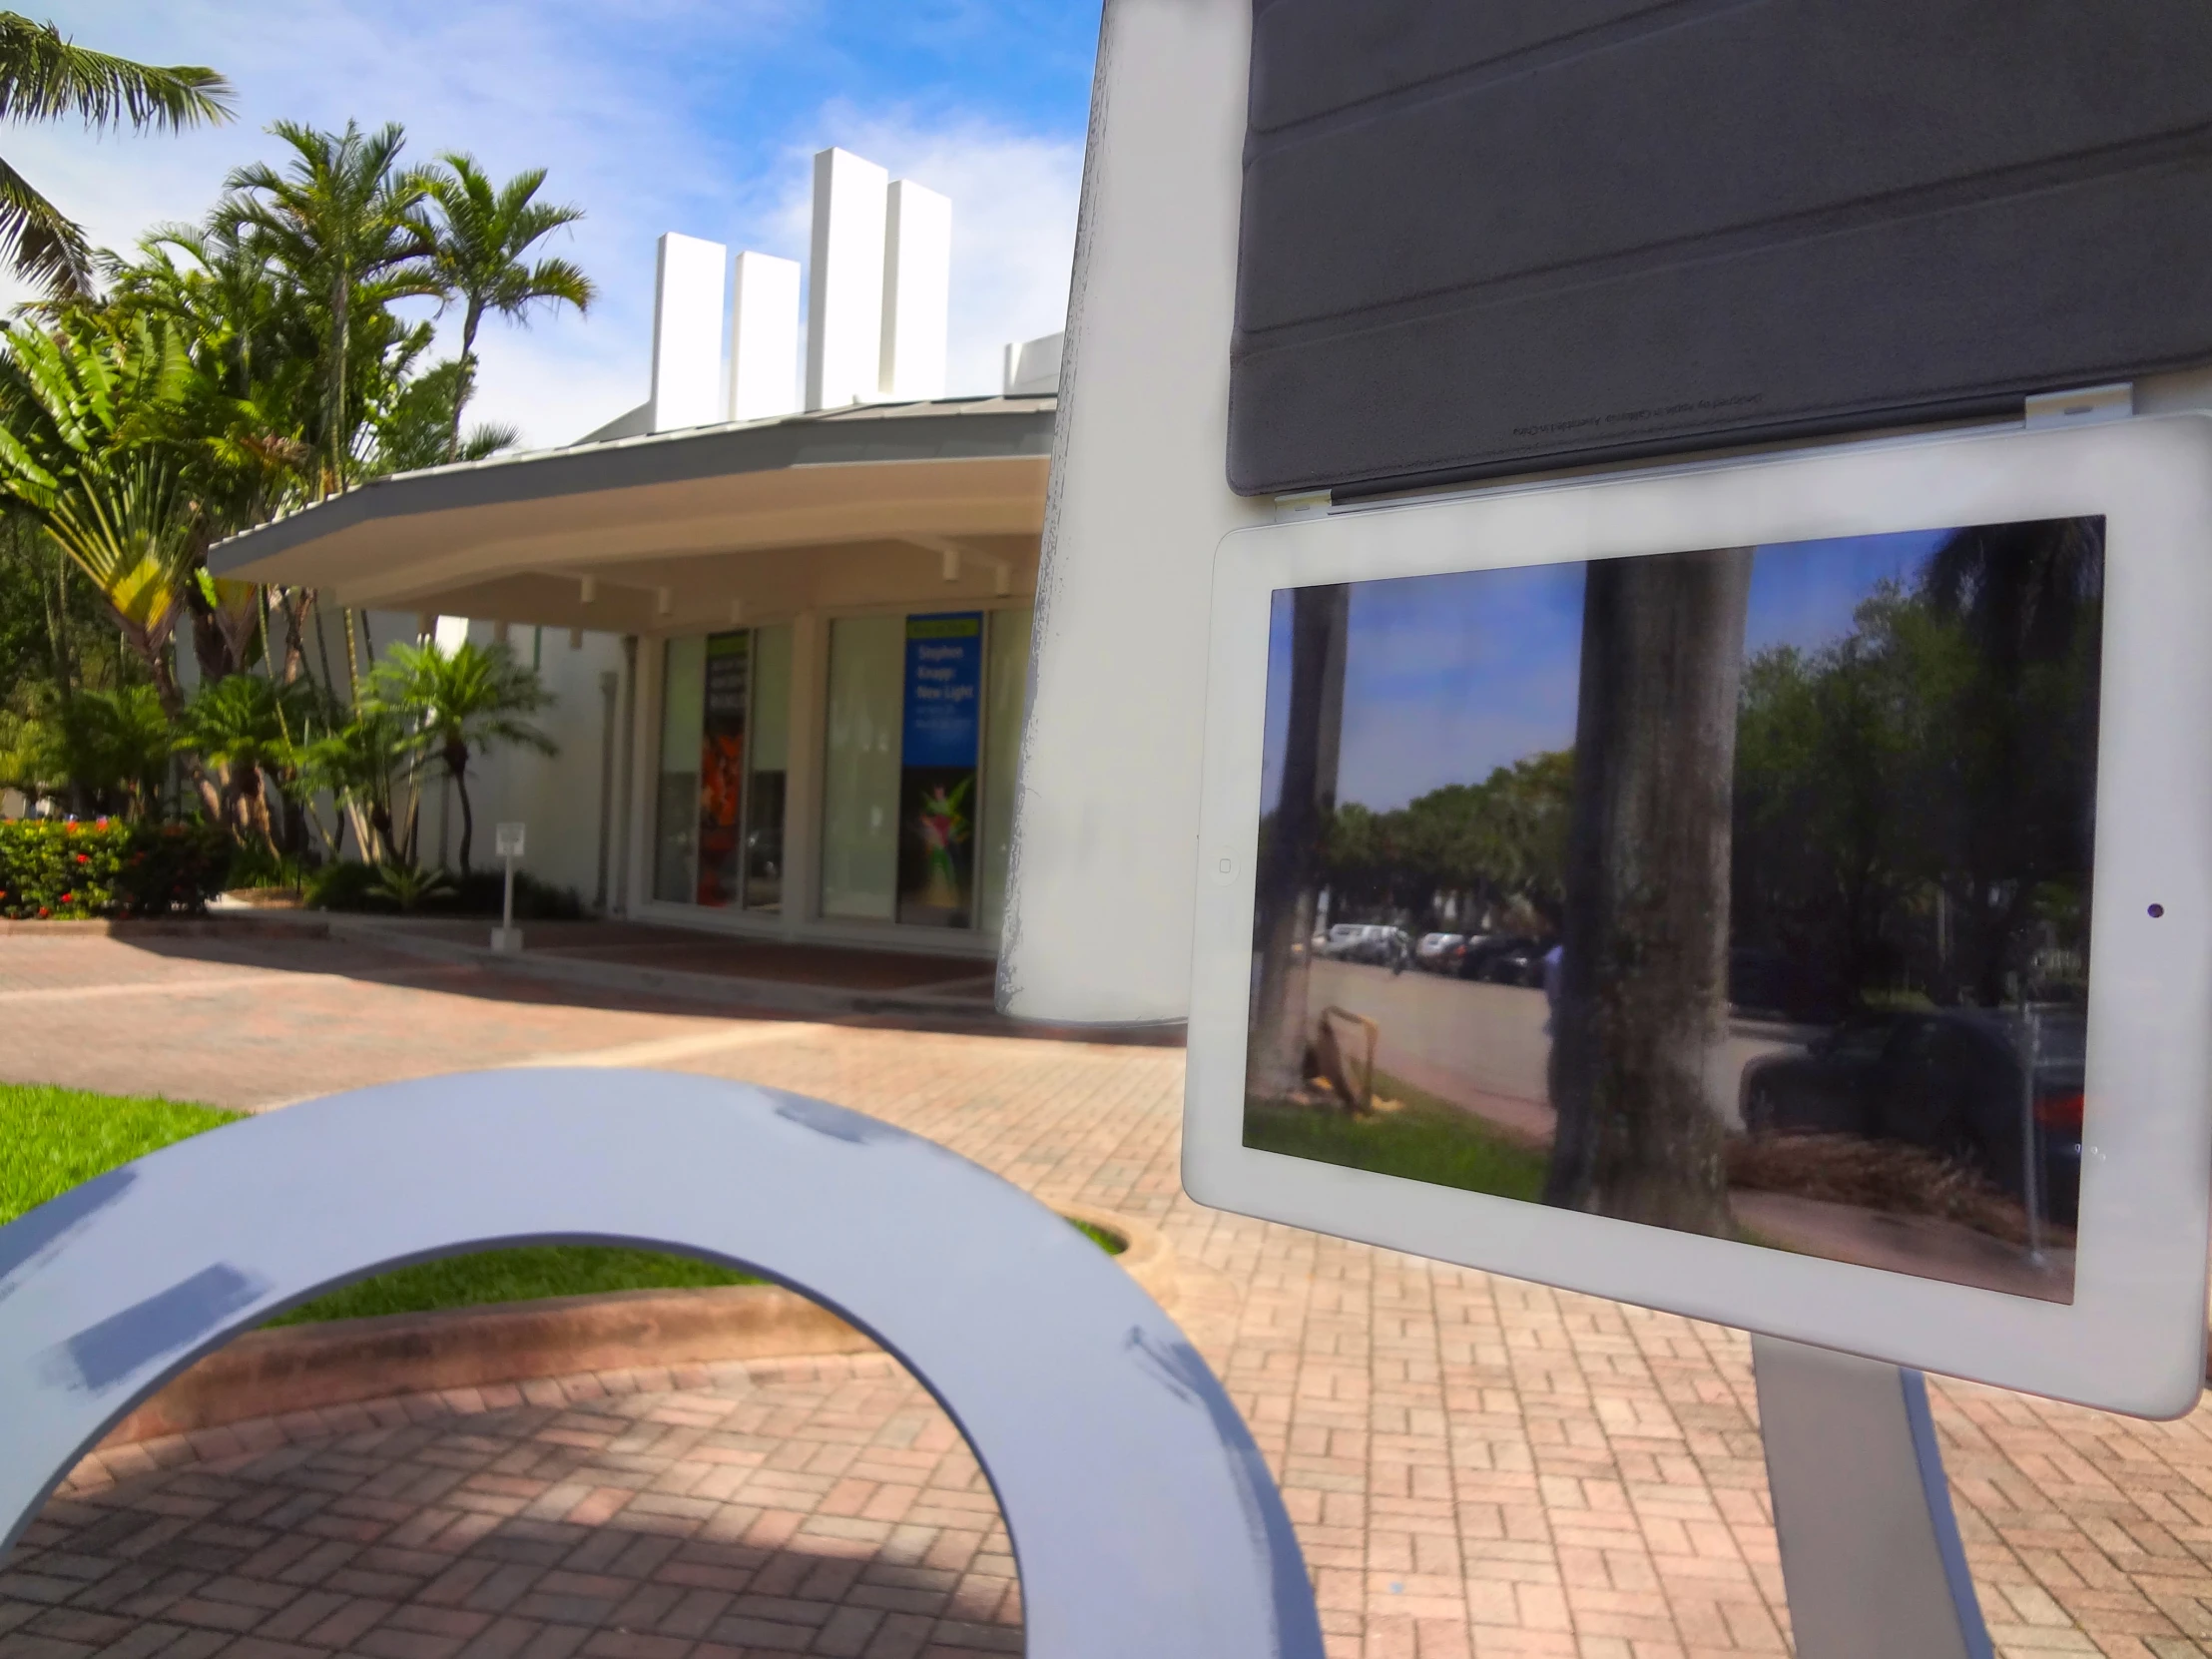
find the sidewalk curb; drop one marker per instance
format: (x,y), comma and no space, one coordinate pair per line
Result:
(301,1367)
(724,990)
(262,926)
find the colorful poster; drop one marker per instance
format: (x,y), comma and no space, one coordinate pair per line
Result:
(941,737)
(722,766)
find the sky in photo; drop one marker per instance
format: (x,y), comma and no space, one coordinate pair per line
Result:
(1450,677)
(699,116)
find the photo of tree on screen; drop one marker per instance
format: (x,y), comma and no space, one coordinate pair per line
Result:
(1743,892)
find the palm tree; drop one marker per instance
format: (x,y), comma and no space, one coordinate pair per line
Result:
(2028,598)
(354,764)
(244,724)
(1643,994)
(462,702)
(44,77)
(480,236)
(340,223)
(1289,885)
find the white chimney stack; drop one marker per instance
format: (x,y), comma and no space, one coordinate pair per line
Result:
(844,322)
(687,335)
(1033,367)
(764,338)
(918,287)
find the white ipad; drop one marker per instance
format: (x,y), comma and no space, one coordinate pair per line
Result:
(1775,892)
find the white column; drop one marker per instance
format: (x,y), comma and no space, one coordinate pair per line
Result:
(917,285)
(764,338)
(845,317)
(802,775)
(687,333)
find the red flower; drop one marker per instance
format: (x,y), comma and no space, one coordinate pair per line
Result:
(44,912)
(67,897)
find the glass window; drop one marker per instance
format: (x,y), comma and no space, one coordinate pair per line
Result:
(727,700)
(1006,682)
(859,797)
(676,800)
(764,796)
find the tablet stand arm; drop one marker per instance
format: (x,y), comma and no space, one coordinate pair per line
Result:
(1870,1547)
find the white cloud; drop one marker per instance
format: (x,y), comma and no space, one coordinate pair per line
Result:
(608,100)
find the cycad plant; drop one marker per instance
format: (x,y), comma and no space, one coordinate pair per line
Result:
(116,741)
(457,704)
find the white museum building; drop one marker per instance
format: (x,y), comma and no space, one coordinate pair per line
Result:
(784,604)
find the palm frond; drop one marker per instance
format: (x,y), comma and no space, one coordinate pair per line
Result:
(40,243)
(44,75)
(487,439)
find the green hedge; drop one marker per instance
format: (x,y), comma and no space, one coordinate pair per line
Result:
(53,870)
(349,886)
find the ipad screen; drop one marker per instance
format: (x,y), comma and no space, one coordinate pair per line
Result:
(1743,892)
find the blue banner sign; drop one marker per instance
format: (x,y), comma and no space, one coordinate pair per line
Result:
(943,734)
(944,684)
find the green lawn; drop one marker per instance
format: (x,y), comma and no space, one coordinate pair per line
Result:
(52,1139)
(521,1275)
(1427,1140)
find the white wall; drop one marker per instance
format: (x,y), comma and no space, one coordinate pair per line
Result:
(558,798)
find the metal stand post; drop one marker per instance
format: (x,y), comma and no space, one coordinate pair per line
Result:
(1869,1547)
(507,936)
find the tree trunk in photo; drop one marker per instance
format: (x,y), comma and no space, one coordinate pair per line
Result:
(456,765)
(1641,1023)
(1288,877)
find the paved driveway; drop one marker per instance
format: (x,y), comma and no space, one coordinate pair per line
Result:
(1475,1465)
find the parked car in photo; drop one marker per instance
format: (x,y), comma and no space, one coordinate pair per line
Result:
(1521,964)
(1439,952)
(1775,985)
(1951,1080)
(1363,941)
(1474,963)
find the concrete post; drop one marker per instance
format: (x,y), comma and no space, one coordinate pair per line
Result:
(845,314)
(764,338)
(918,287)
(687,333)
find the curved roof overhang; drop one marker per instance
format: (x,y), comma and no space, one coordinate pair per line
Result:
(876,504)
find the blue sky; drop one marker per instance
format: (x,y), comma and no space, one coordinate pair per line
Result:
(697,115)
(1448,677)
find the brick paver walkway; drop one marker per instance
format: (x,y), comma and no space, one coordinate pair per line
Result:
(821,1506)
(1475,1465)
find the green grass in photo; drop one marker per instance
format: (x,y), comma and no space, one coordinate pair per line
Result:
(1428,1139)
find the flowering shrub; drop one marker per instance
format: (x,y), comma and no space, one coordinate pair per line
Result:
(59,870)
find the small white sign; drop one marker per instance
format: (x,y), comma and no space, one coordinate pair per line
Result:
(509,837)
